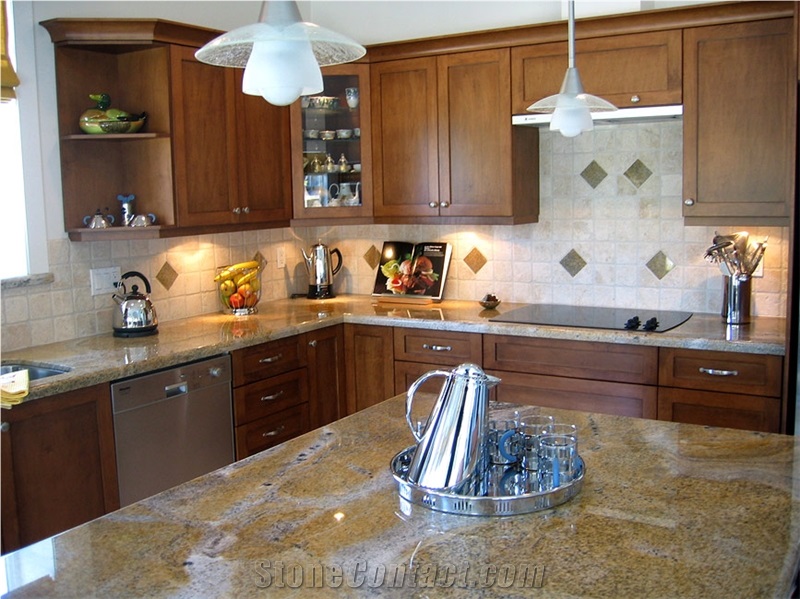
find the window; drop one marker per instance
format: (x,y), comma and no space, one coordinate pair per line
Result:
(13,227)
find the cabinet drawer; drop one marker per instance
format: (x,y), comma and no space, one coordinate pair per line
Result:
(751,374)
(573,359)
(442,347)
(272,430)
(621,399)
(731,410)
(269,396)
(268,359)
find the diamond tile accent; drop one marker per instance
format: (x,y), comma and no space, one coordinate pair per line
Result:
(475,260)
(373,257)
(167,275)
(573,263)
(638,173)
(594,174)
(660,265)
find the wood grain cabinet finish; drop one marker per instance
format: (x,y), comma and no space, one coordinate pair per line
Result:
(576,375)
(720,389)
(642,69)
(231,151)
(417,351)
(369,367)
(58,466)
(443,146)
(326,375)
(739,120)
(270,394)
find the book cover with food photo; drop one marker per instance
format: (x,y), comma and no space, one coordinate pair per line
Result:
(413,272)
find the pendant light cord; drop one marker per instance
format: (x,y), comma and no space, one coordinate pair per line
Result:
(571,33)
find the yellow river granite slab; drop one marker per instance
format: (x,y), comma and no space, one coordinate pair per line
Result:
(667,510)
(104,358)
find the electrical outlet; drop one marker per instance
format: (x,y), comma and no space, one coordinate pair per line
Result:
(281,257)
(104,280)
(759,271)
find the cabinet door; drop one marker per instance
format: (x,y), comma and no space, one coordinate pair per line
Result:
(263,160)
(739,123)
(710,408)
(326,375)
(369,367)
(642,69)
(204,140)
(405,138)
(58,467)
(475,133)
(620,399)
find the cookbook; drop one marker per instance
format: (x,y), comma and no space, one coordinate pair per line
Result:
(412,272)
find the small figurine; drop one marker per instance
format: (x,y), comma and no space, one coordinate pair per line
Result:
(104,119)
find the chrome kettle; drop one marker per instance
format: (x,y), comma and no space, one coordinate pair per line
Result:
(136,314)
(450,448)
(321,271)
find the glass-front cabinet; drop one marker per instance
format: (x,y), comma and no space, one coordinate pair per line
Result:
(331,150)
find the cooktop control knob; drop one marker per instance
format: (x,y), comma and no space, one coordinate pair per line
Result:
(633,323)
(651,324)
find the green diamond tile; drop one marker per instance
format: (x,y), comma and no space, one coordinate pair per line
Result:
(573,263)
(638,173)
(660,265)
(594,174)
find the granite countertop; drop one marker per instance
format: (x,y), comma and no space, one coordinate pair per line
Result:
(666,510)
(105,358)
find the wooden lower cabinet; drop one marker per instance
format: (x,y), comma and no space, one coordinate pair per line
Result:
(326,375)
(369,368)
(58,465)
(621,399)
(714,388)
(749,412)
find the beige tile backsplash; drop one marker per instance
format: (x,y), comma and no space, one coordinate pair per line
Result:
(616,224)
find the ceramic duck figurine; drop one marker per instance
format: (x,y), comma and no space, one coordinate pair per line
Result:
(103,119)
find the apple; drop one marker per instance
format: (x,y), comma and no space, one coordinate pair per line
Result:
(236,300)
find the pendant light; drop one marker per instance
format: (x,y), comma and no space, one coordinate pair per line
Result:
(571,107)
(281,54)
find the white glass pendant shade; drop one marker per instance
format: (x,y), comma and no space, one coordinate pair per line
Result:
(284,44)
(281,71)
(571,107)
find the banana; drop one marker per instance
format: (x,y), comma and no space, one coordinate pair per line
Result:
(246,278)
(232,271)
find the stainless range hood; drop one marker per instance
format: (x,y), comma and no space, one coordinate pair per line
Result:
(636,115)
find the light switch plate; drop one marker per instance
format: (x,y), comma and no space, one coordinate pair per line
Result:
(104,280)
(759,271)
(280,260)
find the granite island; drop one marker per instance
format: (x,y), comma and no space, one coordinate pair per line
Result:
(666,510)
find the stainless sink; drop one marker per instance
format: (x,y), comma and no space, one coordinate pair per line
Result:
(34,372)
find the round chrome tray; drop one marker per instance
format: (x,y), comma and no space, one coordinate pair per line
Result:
(483,498)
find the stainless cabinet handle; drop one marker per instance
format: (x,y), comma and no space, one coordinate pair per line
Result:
(277,431)
(273,396)
(237,210)
(444,204)
(5,427)
(688,202)
(433,204)
(437,347)
(313,343)
(635,99)
(715,372)
(271,359)
(246,210)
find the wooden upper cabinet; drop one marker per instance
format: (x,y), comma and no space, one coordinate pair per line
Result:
(444,146)
(231,151)
(405,137)
(739,123)
(641,69)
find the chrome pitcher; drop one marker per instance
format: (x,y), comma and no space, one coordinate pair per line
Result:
(450,448)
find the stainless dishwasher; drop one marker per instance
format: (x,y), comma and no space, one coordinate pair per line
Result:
(172,426)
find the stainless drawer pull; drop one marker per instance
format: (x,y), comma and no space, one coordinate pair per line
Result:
(271,359)
(277,431)
(437,347)
(273,396)
(715,372)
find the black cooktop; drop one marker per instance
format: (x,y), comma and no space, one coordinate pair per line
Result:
(589,317)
